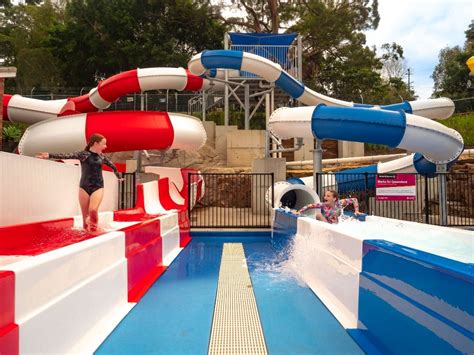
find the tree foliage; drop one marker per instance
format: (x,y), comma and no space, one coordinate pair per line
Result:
(451,75)
(24,35)
(261,16)
(76,43)
(336,60)
(108,36)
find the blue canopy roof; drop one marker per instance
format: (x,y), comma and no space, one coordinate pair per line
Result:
(269,39)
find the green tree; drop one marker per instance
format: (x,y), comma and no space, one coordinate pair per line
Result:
(394,69)
(336,60)
(451,75)
(261,16)
(24,34)
(102,37)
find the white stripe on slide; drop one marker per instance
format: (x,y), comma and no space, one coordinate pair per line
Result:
(236,327)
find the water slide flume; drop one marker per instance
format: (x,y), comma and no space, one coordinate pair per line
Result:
(17,108)
(125,131)
(397,125)
(63,125)
(440,108)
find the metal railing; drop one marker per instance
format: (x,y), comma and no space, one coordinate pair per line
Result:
(286,56)
(424,209)
(232,201)
(127,194)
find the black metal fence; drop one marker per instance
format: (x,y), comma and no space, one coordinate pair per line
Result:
(232,201)
(127,191)
(425,208)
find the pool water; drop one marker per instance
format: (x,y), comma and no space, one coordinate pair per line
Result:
(175,316)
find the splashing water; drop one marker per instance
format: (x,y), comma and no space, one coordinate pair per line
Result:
(281,269)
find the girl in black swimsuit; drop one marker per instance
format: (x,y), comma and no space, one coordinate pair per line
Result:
(91,189)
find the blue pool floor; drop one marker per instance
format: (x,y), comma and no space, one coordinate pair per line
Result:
(175,315)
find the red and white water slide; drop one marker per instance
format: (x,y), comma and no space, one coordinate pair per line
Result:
(64,125)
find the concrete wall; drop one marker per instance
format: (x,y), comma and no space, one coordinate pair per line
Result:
(243,147)
(350,149)
(306,152)
(260,185)
(210,128)
(221,138)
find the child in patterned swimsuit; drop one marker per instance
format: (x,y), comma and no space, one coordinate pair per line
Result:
(332,207)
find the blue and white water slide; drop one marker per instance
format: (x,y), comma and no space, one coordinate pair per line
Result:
(407,125)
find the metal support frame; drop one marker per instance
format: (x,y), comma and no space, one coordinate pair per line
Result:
(300,58)
(297,146)
(442,169)
(317,167)
(226,88)
(204,108)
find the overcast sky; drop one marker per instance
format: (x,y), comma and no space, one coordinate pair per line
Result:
(422,28)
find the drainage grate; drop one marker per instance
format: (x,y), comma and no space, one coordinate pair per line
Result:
(236,327)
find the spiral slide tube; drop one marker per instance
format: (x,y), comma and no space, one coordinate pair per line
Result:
(440,108)
(17,108)
(399,125)
(125,131)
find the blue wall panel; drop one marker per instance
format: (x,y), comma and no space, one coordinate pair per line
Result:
(412,301)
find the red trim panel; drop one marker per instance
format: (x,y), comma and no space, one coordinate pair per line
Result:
(6,100)
(10,340)
(136,293)
(119,85)
(164,194)
(9,335)
(194,82)
(131,130)
(139,235)
(129,215)
(140,203)
(7,298)
(144,252)
(142,265)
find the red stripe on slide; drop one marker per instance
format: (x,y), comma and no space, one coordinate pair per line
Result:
(194,82)
(140,203)
(6,100)
(118,85)
(144,266)
(7,298)
(10,340)
(131,130)
(9,335)
(129,215)
(164,195)
(82,103)
(40,237)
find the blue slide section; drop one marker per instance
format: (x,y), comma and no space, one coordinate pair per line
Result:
(402,288)
(360,123)
(404,106)
(222,59)
(366,125)
(284,229)
(290,85)
(229,59)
